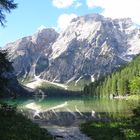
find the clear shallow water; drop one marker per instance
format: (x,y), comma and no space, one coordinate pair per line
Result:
(113,108)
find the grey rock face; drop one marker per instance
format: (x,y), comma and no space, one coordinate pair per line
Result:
(91,45)
(27,52)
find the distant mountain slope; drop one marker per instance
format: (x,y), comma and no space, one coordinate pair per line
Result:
(91,46)
(30,54)
(125,80)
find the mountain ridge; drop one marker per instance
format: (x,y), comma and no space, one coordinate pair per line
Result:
(92,45)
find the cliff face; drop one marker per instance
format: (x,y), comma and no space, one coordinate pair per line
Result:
(28,54)
(91,45)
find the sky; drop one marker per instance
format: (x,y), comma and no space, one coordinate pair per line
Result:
(32,15)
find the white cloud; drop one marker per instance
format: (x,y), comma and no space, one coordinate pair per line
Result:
(63,3)
(90,3)
(118,8)
(64,20)
(78,4)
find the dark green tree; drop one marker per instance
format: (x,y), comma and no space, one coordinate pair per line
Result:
(135,85)
(126,87)
(114,89)
(125,80)
(5,66)
(6,6)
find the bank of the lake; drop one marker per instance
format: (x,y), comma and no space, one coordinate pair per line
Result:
(119,129)
(62,116)
(15,126)
(78,110)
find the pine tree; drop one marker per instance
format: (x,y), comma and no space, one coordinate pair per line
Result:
(6,6)
(126,87)
(5,66)
(125,80)
(114,85)
(135,85)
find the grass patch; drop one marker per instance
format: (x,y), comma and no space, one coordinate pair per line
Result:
(15,126)
(48,85)
(75,87)
(56,91)
(133,97)
(79,86)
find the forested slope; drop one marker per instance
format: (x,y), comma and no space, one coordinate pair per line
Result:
(125,80)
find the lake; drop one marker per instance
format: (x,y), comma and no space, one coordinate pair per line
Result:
(78,106)
(62,116)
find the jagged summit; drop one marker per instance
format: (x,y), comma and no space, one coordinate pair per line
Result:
(45,35)
(88,17)
(28,51)
(42,27)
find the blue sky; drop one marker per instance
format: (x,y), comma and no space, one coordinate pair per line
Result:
(31,14)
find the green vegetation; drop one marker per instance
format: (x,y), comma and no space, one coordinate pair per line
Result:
(79,86)
(125,129)
(72,86)
(135,85)
(14,126)
(5,67)
(133,98)
(75,87)
(56,91)
(124,81)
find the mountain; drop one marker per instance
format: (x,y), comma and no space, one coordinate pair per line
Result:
(90,47)
(30,54)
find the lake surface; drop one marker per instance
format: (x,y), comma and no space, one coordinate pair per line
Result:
(62,116)
(113,108)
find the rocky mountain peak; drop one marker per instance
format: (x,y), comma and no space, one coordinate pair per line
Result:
(91,45)
(43,36)
(89,17)
(27,51)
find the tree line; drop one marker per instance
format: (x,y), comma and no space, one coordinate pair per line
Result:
(123,81)
(5,65)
